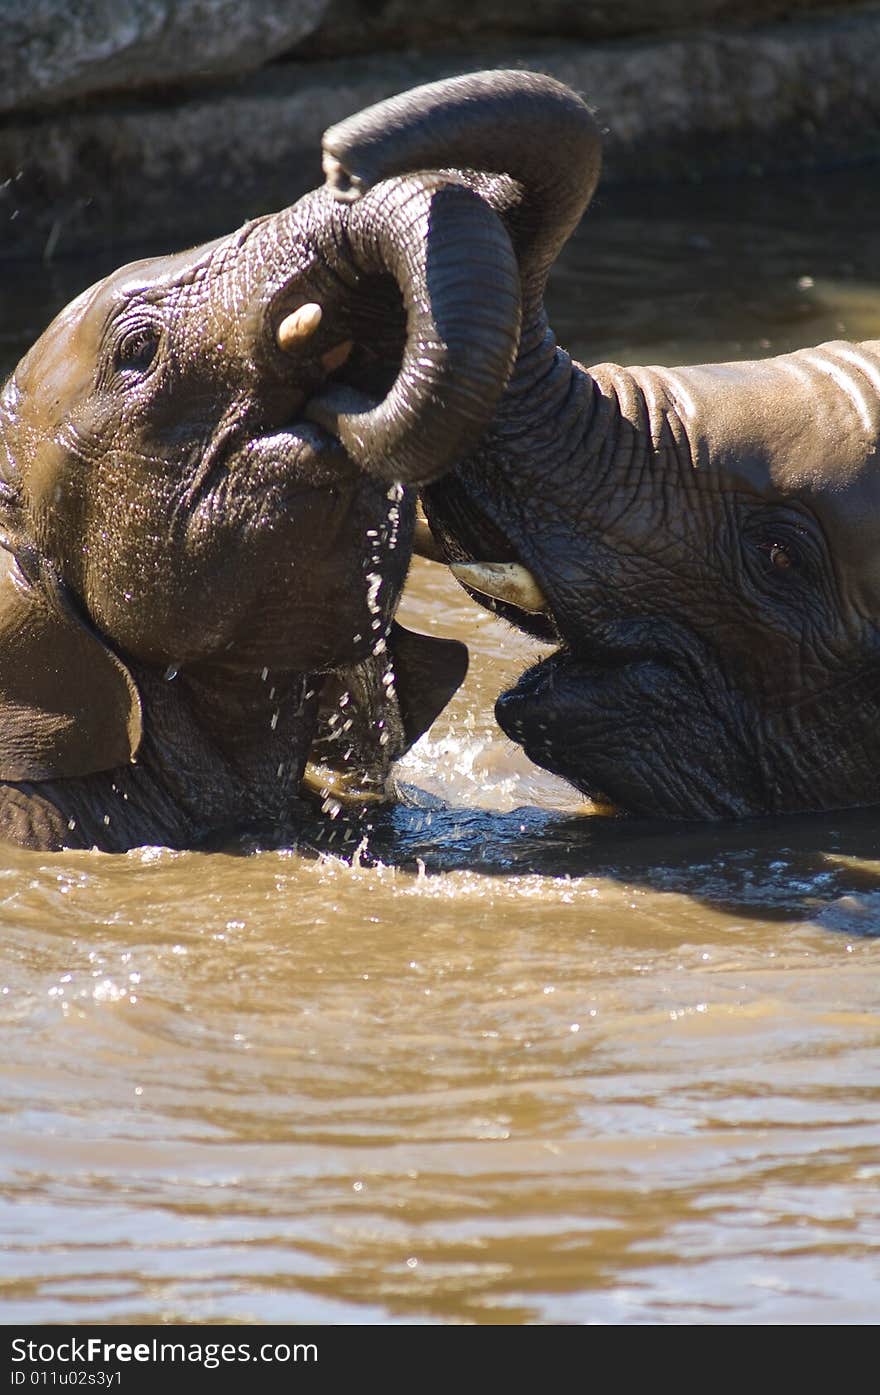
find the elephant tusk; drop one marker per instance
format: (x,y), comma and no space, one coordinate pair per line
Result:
(322,782)
(335,357)
(424,542)
(299,325)
(503,581)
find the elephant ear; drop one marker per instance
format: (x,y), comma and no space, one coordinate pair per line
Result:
(68,705)
(428,672)
(365,724)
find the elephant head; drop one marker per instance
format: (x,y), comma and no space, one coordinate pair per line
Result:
(186,557)
(702,545)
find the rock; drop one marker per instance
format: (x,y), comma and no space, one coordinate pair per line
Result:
(53,50)
(682,106)
(355,26)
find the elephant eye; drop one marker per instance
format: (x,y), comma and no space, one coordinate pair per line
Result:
(137,348)
(782,553)
(780,557)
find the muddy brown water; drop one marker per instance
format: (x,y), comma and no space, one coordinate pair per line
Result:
(503,1062)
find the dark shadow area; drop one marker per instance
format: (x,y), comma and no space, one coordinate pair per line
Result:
(665,272)
(785,869)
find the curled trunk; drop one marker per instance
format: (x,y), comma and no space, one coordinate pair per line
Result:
(457,273)
(523,125)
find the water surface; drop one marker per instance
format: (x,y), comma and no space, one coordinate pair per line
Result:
(505,1062)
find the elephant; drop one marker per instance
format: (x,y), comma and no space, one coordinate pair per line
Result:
(701,544)
(198,583)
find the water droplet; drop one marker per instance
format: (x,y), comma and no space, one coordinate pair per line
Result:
(374,584)
(171,672)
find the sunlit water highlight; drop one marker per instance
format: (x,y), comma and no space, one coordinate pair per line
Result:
(506,1063)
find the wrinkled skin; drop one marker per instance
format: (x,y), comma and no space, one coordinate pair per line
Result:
(707,540)
(192,571)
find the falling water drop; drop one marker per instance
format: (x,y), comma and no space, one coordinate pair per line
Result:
(374,583)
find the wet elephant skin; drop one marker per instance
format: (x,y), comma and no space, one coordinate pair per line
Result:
(706,540)
(187,562)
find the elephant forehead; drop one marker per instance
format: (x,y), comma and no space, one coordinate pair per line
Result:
(162,273)
(801,427)
(806,423)
(60,366)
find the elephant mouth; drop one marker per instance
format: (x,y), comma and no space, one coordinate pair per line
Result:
(564,707)
(606,709)
(456,531)
(522,710)
(580,685)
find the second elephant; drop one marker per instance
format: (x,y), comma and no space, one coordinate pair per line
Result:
(702,544)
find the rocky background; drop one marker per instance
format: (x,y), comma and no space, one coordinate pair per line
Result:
(121,120)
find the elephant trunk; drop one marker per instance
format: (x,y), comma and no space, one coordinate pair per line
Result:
(457,273)
(523,125)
